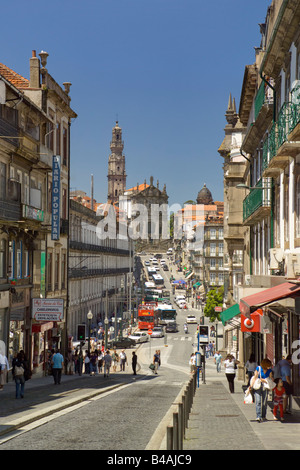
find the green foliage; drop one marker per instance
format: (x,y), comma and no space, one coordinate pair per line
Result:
(214,299)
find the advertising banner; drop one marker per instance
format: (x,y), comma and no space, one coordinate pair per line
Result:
(55,204)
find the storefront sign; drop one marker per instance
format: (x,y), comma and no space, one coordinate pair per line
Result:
(32,213)
(55,224)
(48,309)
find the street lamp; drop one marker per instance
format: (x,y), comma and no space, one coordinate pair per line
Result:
(105,331)
(89,317)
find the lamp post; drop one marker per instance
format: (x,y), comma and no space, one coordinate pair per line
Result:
(89,317)
(105,331)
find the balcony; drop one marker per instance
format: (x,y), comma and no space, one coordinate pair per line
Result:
(8,125)
(10,204)
(281,143)
(258,203)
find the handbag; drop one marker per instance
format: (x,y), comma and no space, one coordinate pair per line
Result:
(19,370)
(257,384)
(248,397)
(152,367)
(269,385)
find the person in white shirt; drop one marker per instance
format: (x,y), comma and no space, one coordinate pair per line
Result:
(230,365)
(123,360)
(4,366)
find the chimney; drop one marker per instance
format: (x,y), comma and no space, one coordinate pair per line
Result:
(34,71)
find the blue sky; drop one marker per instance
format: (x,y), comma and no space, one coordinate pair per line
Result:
(163,68)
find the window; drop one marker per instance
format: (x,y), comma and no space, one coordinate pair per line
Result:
(49,271)
(56,271)
(11,259)
(63,270)
(213,263)
(49,139)
(212,249)
(213,233)
(65,146)
(2,258)
(19,260)
(58,138)
(2,180)
(298,208)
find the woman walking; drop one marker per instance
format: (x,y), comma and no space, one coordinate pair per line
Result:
(230,367)
(262,372)
(18,371)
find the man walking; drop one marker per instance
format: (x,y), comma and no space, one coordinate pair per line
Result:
(57,365)
(123,360)
(134,362)
(107,363)
(218,360)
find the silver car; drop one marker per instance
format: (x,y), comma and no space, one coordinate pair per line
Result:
(157,332)
(139,337)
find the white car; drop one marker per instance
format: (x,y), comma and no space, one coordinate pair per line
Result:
(139,337)
(191,319)
(157,332)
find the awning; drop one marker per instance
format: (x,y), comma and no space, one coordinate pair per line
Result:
(189,272)
(197,284)
(267,296)
(190,275)
(230,313)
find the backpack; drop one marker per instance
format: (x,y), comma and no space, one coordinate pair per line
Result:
(277,371)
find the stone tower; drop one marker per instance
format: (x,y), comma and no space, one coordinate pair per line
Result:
(116,167)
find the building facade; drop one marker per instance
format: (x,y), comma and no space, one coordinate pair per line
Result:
(99,271)
(35,125)
(269,110)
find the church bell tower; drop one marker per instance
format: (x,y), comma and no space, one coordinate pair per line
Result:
(116,167)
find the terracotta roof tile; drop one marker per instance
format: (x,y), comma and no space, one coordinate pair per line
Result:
(14,78)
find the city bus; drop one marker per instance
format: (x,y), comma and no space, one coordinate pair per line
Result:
(166,315)
(147,316)
(158,279)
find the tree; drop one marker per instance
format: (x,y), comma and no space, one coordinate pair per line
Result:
(214,299)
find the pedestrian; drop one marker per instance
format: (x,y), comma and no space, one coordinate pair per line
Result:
(134,362)
(57,366)
(100,361)
(93,363)
(18,371)
(250,366)
(87,363)
(4,366)
(230,366)
(218,360)
(262,372)
(123,360)
(78,362)
(107,360)
(192,363)
(70,362)
(115,360)
(156,361)
(286,375)
(279,395)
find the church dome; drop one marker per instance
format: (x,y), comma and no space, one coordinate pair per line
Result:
(205,196)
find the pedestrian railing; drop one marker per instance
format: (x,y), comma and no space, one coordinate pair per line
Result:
(176,431)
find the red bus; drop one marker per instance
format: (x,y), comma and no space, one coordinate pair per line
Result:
(147,316)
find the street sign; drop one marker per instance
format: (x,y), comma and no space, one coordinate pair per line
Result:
(150,332)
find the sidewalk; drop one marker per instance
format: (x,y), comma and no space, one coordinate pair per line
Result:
(220,420)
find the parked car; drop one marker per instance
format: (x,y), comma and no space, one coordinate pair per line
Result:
(122,343)
(191,319)
(171,328)
(165,267)
(139,337)
(157,332)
